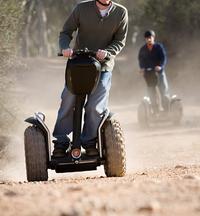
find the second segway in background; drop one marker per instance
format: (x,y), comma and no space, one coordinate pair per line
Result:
(151,108)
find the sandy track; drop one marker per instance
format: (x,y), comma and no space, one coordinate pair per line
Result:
(163,191)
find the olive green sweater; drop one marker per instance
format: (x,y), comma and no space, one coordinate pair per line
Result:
(95,32)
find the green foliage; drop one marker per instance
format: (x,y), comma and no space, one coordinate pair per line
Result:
(10,18)
(174,20)
(60,10)
(43,21)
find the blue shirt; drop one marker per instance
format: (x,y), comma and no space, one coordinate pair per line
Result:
(151,58)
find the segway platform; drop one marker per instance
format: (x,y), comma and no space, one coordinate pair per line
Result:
(68,164)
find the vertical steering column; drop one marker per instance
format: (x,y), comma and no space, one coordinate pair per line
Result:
(78,111)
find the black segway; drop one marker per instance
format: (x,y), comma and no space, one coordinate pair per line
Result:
(82,76)
(145,113)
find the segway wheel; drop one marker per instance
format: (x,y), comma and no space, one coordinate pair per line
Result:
(35,154)
(176,111)
(142,115)
(114,149)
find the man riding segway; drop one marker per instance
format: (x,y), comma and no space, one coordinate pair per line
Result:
(158,106)
(101,26)
(152,60)
(102,30)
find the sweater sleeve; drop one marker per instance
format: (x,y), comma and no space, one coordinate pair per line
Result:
(141,59)
(119,37)
(70,26)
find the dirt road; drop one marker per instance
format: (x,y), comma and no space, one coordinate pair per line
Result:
(154,192)
(163,162)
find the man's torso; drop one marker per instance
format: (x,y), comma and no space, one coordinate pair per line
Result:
(96,32)
(151,58)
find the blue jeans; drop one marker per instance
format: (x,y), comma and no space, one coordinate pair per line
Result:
(95,106)
(164,92)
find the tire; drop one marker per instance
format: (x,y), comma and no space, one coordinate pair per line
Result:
(176,111)
(142,115)
(35,154)
(114,149)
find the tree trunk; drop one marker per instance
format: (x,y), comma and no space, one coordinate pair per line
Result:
(42,29)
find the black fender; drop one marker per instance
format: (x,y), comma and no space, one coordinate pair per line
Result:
(110,115)
(32,120)
(146,100)
(37,121)
(147,104)
(106,116)
(174,98)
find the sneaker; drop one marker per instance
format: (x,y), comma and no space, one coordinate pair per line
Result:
(91,151)
(59,153)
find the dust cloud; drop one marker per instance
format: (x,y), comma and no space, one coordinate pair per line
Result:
(39,87)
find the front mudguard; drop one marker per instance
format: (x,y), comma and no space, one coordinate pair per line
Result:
(38,121)
(176,109)
(147,103)
(174,98)
(106,116)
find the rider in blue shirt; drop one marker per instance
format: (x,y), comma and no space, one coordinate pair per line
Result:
(152,56)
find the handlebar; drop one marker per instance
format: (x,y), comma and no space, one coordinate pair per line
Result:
(84,52)
(149,69)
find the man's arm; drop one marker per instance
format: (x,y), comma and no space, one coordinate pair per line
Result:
(119,38)
(141,58)
(162,56)
(69,27)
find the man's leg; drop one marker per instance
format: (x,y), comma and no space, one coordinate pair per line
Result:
(64,122)
(164,90)
(153,98)
(96,104)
